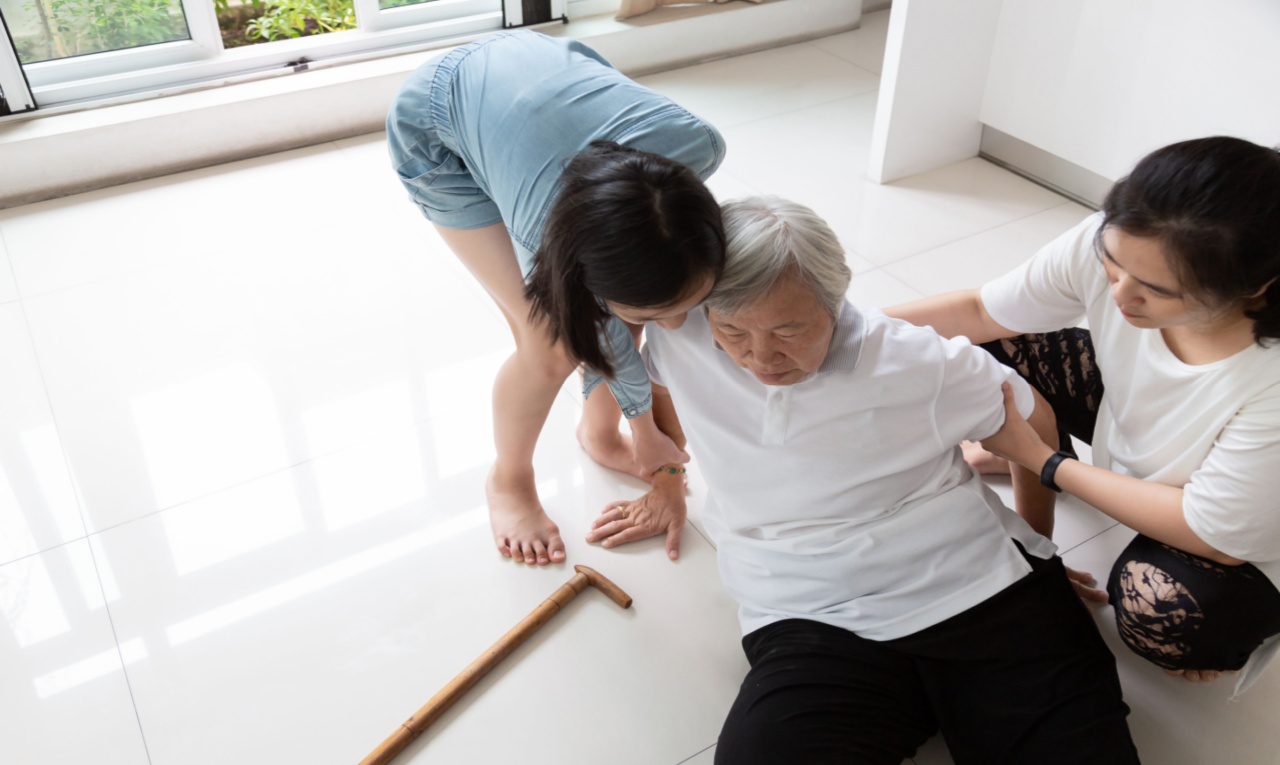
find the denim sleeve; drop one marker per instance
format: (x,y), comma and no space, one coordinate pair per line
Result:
(630,385)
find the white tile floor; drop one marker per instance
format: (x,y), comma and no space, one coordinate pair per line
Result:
(243,428)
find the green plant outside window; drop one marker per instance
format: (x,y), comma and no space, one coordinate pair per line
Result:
(50,29)
(45,30)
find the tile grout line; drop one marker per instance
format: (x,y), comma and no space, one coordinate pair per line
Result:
(1087,540)
(814,43)
(53,416)
(1019,219)
(834,99)
(84,525)
(920,295)
(124,669)
(42,551)
(13,272)
(695,754)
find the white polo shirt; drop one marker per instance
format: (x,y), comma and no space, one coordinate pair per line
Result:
(844,498)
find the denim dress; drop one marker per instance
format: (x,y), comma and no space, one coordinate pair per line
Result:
(481,134)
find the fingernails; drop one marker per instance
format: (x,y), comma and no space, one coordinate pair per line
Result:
(673,554)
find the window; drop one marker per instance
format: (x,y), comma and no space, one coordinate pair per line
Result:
(15,92)
(64,51)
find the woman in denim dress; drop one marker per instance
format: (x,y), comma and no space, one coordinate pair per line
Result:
(575,196)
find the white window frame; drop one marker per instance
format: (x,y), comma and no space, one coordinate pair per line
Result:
(172,66)
(371,18)
(205,42)
(514,11)
(13,83)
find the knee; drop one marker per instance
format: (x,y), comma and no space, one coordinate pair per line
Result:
(1182,612)
(748,738)
(546,363)
(1155,613)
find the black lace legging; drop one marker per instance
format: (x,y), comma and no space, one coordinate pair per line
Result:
(1175,609)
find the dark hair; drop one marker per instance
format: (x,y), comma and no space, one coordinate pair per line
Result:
(1214,204)
(628,226)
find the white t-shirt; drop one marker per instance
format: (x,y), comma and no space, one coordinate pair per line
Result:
(1212,429)
(844,498)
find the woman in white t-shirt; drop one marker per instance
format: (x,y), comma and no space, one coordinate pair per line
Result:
(1177,278)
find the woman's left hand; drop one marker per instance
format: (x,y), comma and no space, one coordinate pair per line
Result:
(653,448)
(1016,440)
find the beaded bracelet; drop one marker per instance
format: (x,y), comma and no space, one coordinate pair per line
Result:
(670,470)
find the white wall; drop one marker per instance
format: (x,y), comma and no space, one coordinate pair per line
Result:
(936,60)
(1099,83)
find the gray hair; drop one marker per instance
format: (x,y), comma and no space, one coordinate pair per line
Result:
(769,238)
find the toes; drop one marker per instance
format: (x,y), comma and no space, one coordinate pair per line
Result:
(540,550)
(504,547)
(555,547)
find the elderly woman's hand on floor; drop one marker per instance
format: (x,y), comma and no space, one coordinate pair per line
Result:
(660,511)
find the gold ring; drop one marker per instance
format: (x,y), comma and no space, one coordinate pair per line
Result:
(623,509)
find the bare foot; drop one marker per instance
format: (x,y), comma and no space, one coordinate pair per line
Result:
(521,528)
(982,460)
(1196,675)
(614,453)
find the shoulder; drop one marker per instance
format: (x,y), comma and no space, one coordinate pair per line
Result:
(922,351)
(695,332)
(1263,404)
(893,349)
(1054,288)
(887,334)
(676,356)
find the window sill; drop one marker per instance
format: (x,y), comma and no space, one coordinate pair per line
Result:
(61,152)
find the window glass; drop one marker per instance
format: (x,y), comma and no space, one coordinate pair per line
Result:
(44,30)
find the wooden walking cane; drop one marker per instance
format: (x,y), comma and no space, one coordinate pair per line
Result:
(422,719)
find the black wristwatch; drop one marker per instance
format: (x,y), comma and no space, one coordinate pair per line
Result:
(1051,467)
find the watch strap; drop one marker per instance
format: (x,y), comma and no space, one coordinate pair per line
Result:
(1051,468)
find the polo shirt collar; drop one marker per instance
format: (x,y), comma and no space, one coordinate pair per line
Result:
(846,340)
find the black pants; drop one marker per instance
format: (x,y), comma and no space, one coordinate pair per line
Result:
(1021,679)
(1175,609)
